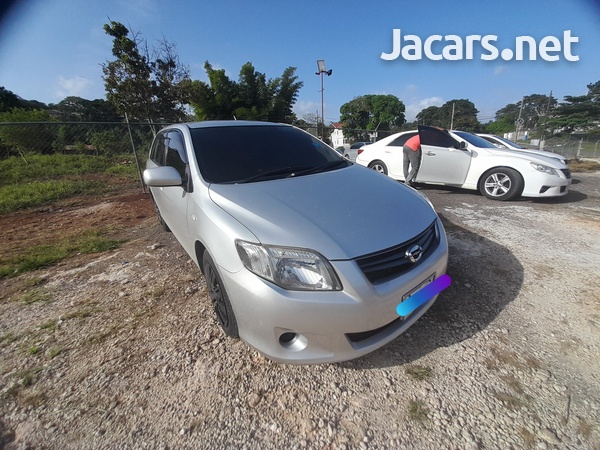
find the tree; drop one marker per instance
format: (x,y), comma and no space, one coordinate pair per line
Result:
(8,100)
(252,97)
(457,114)
(27,137)
(532,109)
(145,87)
(77,109)
(381,113)
(579,113)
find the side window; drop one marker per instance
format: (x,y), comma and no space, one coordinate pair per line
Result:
(437,138)
(157,153)
(176,155)
(401,140)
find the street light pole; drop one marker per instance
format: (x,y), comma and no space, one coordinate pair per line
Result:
(322,70)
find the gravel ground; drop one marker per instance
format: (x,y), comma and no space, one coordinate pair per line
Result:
(121,350)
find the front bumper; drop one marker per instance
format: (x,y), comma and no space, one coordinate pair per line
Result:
(539,184)
(325,327)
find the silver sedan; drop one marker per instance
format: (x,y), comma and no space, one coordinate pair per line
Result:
(295,266)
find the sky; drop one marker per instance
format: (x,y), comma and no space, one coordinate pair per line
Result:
(51,49)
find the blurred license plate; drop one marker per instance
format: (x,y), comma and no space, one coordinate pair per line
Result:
(421,285)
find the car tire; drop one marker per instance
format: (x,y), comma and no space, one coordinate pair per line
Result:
(219,297)
(161,221)
(501,183)
(378,166)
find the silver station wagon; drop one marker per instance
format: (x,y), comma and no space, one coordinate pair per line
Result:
(306,255)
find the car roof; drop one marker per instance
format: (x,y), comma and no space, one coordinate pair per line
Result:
(232,123)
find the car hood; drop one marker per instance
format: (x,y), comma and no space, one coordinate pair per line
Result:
(532,156)
(532,151)
(341,214)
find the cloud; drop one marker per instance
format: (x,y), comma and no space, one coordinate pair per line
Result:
(416,107)
(307,107)
(76,86)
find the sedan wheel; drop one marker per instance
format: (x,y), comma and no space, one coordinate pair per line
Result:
(219,298)
(162,222)
(379,166)
(501,184)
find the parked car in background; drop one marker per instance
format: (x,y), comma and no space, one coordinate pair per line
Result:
(353,150)
(461,159)
(501,142)
(295,266)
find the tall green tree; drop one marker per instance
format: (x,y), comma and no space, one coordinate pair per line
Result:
(252,97)
(146,86)
(578,113)
(381,113)
(77,109)
(460,114)
(533,110)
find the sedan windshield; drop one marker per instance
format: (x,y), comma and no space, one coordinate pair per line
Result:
(510,143)
(247,154)
(475,140)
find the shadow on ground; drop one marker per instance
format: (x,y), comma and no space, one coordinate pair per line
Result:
(486,277)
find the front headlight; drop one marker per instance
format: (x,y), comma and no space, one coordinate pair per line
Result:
(545,169)
(296,269)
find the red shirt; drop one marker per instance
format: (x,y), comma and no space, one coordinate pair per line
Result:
(414,143)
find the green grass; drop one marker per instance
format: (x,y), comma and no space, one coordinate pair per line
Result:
(43,179)
(419,373)
(41,256)
(417,411)
(16,170)
(34,296)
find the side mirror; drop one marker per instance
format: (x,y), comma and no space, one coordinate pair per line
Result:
(163,176)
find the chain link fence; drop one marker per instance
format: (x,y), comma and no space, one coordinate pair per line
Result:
(114,138)
(95,138)
(573,146)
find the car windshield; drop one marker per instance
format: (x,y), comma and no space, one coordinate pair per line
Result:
(475,140)
(243,154)
(506,141)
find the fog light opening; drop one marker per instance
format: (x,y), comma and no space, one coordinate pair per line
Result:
(293,341)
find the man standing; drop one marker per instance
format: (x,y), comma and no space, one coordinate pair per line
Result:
(412,159)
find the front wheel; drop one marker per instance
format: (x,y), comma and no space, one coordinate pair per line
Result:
(219,297)
(501,183)
(161,221)
(378,166)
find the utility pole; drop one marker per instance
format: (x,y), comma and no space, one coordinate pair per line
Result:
(322,70)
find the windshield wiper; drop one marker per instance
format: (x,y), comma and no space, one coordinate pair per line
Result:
(272,174)
(323,168)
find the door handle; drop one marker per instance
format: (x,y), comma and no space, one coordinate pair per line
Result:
(430,153)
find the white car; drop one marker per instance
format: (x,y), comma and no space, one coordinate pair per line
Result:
(500,142)
(263,210)
(461,159)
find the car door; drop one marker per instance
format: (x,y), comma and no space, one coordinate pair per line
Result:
(443,161)
(172,201)
(394,155)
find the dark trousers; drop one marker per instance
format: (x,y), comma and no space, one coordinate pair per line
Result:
(412,160)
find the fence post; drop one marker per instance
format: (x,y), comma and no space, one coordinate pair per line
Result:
(137,161)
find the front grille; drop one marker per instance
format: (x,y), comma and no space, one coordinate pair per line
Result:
(392,262)
(567,173)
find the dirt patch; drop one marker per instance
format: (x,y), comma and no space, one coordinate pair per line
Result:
(46,225)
